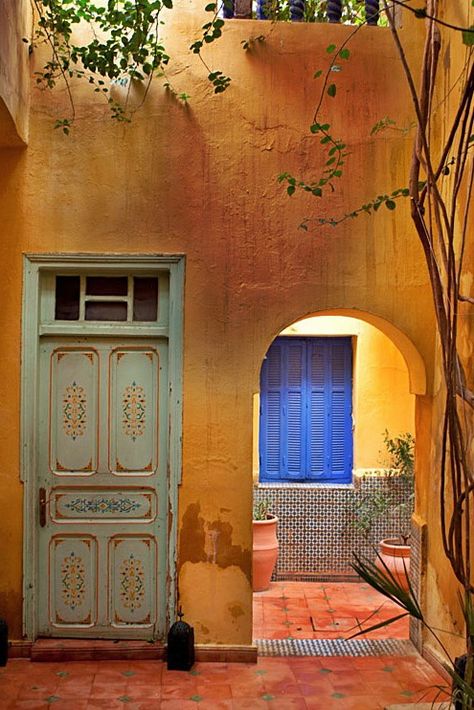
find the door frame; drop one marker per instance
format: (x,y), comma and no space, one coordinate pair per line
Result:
(34,265)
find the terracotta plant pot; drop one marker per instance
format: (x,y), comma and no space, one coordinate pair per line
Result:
(396,556)
(265,552)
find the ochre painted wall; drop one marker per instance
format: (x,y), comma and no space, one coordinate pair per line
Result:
(200,179)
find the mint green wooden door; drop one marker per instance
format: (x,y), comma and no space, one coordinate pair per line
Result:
(102,487)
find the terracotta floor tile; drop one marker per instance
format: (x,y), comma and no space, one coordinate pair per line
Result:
(30,691)
(214,691)
(76,703)
(174,704)
(280,703)
(214,704)
(323,702)
(315,686)
(169,692)
(281,688)
(143,691)
(245,690)
(107,689)
(28,704)
(105,704)
(252,703)
(339,663)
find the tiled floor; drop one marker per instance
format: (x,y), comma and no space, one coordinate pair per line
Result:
(323,610)
(302,683)
(273,683)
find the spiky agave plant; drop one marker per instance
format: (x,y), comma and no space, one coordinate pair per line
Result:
(461,670)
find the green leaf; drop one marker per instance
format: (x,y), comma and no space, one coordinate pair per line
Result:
(330,49)
(290,190)
(344,54)
(332,90)
(390,204)
(314,128)
(211,7)
(317,74)
(468,36)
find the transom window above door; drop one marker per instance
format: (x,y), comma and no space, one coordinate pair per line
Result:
(106,298)
(306,410)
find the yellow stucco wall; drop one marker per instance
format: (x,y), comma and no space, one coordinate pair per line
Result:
(201,180)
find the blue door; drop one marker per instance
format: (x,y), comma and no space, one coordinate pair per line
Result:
(305,411)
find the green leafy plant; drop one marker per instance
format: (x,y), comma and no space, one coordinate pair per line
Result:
(118,42)
(261,509)
(396,497)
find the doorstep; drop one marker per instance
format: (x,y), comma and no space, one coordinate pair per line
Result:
(59,650)
(421,706)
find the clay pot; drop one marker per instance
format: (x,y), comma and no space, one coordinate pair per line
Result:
(265,552)
(396,557)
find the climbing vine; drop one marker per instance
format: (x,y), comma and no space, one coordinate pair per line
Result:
(122,44)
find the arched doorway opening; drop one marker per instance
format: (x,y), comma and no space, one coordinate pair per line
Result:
(337,380)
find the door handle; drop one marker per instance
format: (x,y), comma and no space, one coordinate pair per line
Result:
(42,507)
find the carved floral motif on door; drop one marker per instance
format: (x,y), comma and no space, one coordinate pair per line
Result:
(73,580)
(75,414)
(134,410)
(132,576)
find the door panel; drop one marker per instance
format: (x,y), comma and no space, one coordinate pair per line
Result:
(132,565)
(133,411)
(73,406)
(102,470)
(73,581)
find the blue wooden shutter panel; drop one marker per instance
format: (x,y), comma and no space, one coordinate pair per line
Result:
(306,410)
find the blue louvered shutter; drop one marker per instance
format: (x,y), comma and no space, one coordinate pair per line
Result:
(340,409)
(294,409)
(317,411)
(271,415)
(306,410)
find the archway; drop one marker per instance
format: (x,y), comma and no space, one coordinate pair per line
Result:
(387,373)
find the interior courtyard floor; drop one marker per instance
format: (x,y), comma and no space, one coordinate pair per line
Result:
(350,682)
(323,610)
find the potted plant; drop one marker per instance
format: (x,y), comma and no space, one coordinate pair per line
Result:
(393,501)
(265,545)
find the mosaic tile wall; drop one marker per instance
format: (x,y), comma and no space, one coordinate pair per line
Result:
(316,531)
(418,551)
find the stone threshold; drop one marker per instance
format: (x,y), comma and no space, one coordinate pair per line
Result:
(61,650)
